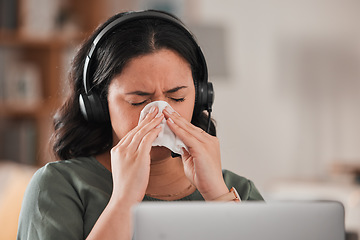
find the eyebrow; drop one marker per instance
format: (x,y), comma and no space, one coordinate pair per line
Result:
(175,89)
(142,93)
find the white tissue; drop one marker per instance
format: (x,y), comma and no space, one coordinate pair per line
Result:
(166,137)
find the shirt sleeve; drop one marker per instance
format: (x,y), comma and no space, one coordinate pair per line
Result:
(245,187)
(51,208)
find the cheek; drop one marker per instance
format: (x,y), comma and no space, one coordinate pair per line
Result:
(122,120)
(186,109)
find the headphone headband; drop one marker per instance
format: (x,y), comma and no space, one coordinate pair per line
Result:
(133,16)
(95,109)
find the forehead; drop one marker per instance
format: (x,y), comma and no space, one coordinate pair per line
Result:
(164,68)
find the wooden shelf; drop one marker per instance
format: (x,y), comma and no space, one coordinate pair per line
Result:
(15,40)
(18,110)
(46,54)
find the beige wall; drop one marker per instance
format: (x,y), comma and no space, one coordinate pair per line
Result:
(290,103)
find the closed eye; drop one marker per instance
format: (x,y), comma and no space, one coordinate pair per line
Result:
(178,99)
(139,103)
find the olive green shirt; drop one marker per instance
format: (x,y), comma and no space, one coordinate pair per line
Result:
(64,199)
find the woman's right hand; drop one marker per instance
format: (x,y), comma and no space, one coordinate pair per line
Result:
(130,159)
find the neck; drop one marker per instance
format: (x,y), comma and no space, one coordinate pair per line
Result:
(167,179)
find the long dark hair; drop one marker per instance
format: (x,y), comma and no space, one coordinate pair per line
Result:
(76,137)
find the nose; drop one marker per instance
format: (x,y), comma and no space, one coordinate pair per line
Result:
(159,98)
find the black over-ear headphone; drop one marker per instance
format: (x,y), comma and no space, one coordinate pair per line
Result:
(95,109)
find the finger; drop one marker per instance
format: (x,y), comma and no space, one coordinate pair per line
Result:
(189,139)
(186,155)
(129,136)
(139,135)
(169,113)
(148,139)
(196,132)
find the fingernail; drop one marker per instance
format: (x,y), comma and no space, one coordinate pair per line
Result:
(169,109)
(170,120)
(152,109)
(159,115)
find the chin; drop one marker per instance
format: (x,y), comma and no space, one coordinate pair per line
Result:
(159,153)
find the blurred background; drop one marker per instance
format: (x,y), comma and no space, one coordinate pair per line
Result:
(287,89)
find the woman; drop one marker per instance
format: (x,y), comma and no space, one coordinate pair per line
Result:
(107,162)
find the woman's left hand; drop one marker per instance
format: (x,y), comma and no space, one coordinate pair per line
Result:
(202,163)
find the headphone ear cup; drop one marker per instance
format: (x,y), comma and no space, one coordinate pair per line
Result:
(93,108)
(205,97)
(84,105)
(210,96)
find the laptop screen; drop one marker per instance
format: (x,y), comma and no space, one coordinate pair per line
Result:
(246,220)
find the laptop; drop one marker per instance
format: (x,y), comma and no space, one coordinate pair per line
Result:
(247,220)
